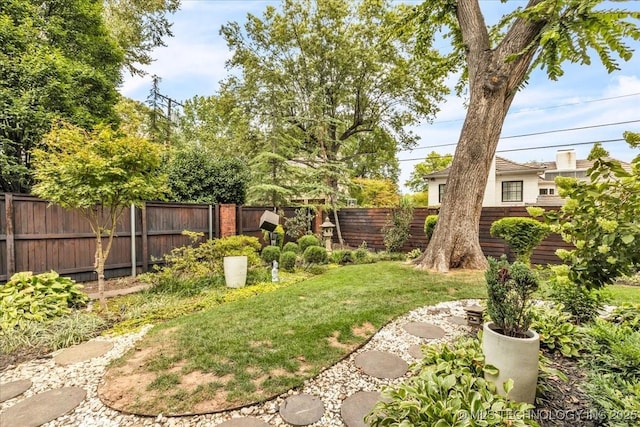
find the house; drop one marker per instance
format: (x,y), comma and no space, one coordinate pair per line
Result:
(515,184)
(509,184)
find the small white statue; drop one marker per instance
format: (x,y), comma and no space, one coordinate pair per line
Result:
(274,271)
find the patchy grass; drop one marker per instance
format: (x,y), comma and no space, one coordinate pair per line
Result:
(250,349)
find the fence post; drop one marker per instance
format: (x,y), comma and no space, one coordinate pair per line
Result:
(133,240)
(144,237)
(11,250)
(210,222)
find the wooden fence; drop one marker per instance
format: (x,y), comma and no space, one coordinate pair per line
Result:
(365,225)
(38,237)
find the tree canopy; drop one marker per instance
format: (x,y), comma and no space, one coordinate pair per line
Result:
(57,60)
(334,79)
(432,163)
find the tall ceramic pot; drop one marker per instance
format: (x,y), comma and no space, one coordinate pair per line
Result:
(235,271)
(515,358)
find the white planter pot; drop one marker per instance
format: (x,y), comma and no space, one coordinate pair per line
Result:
(235,271)
(516,358)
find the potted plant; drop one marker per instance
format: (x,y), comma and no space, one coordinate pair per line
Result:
(507,342)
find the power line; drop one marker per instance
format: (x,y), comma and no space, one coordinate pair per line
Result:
(550,107)
(453,144)
(573,144)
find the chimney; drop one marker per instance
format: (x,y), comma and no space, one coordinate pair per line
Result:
(566,159)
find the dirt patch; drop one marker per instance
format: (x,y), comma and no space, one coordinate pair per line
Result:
(364,331)
(114,284)
(334,341)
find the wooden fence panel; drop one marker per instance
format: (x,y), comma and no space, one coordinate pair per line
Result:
(3,239)
(248,220)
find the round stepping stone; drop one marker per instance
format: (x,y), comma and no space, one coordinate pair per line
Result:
(381,364)
(424,330)
(82,352)
(302,409)
(244,422)
(13,389)
(43,407)
(415,351)
(355,407)
(457,320)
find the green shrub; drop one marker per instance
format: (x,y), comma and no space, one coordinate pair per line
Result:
(389,256)
(429,224)
(307,240)
(38,298)
(270,254)
(522,234)
(315,255)
(341,257)
(583,304)
(288,261)
(362,255)
(556,331)
(213,251)
(600,219)
(317,269)
(414,253)
(290,247)
(396,230)
(449,389)
(509,292)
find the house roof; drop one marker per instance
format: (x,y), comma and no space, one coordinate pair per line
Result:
(503,167)
(584,164)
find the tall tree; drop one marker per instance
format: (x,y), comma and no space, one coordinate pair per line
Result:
(496,63)
(327,72)
(99,173)
(139,26)
(597,152)
(432,163)
(57,60)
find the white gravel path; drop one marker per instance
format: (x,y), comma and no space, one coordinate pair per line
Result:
(332,386)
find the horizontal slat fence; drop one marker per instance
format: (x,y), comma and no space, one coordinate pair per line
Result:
(38,237)
(365,224)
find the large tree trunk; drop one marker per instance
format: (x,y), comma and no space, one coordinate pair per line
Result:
(494,77)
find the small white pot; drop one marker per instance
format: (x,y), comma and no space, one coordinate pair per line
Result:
(235,271)
(516,358)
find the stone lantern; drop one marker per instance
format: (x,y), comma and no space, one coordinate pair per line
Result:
(327,232)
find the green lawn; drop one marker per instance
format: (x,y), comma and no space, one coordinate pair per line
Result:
(624,294)
(251,349)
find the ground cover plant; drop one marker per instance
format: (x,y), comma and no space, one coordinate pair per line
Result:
(251,349)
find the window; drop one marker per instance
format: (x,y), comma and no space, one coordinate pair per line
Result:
(512,191)
(551,191)
(546,191)
(441,192)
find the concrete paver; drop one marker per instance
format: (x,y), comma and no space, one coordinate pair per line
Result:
(243,422)
(424,330)
(381,364)
(355,407)
(43,407)
(82,352)
(13,389)
(302,409)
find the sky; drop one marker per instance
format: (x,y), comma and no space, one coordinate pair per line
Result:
(584,106)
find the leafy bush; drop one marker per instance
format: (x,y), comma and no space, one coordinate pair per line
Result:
(600,218)
(522,234)
(315,255)
(556,331)
(583,304)
(509,291)
(316,269)
(38,298)
(449,389)
(194,177)
(288,261)
(362,255)
(389,256)
(626,315)
(396,230)
(307,240)
(270,254)
(278,233)
(414,253)
(300,224)
(213,251)
(341,257)
(429,224)
(290,247)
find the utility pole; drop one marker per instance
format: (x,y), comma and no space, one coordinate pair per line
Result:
(157,102)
